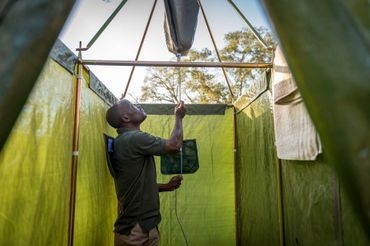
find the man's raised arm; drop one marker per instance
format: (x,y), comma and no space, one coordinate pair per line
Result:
(174,143)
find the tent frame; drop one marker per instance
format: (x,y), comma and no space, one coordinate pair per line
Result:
(136,62)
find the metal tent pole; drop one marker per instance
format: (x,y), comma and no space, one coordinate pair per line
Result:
(76,133)
(175,64)
(280,205)
(104,26)
(140,47)
(217,52)
(254,31)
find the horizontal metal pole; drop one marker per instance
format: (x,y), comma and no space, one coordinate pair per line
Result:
(175,64)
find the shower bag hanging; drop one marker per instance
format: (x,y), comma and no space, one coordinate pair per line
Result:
(180,22)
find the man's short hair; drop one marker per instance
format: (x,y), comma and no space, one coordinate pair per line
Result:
(113,116)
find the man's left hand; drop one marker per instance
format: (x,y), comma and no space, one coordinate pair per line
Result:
(175,182)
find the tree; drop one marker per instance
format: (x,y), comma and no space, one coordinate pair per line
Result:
(161,85)
(242,46)
(200,85)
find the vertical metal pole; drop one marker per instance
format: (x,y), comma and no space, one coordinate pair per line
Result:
(140,47)
(337,211)
(76,131)
(217,52)
(279,188)
(236,178)
(280,202)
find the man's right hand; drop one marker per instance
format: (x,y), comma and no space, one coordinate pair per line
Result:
(180,110)
(174,143)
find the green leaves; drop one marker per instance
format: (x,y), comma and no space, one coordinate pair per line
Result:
(203,85)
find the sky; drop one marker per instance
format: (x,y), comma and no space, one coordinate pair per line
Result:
(121,39)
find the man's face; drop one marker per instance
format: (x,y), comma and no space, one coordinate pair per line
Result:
(133,112)
(138,113)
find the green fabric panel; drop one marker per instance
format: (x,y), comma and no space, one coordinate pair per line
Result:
(206,199)
(353,233)
(309,206)
(191,109)
(35,165)
(308,197)
(96,203)
(314,210)
(256,178)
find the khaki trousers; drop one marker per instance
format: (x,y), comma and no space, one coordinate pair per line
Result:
(137,237)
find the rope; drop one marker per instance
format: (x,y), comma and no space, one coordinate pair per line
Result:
(177,217)
(178,56)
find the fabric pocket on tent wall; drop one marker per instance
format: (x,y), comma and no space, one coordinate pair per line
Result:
(109,151)
(171,164)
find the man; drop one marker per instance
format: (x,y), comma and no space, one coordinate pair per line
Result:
(136,185)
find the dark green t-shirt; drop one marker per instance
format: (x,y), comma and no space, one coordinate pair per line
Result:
(136,183)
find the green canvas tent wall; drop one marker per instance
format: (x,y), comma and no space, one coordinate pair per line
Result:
(252,199)
(35,165)
(294,202)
